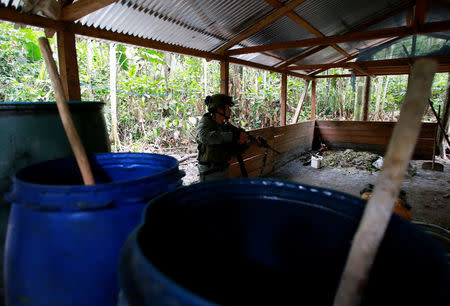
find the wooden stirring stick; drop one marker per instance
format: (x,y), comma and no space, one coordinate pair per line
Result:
(64,113)
(379,208)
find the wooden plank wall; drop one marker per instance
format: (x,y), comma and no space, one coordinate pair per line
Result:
(289,140)
(370,136)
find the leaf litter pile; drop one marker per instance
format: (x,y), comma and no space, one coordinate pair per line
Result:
(349,158)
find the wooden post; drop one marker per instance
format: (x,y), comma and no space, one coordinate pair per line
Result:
(378,210)
(224,77)
(313,100)
(365,107)
(68,65)
(283,99)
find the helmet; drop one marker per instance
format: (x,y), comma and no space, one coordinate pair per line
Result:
(218,101)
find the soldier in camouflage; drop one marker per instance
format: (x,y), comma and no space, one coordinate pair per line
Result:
(217,139)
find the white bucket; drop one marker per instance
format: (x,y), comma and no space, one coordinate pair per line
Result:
(316,162)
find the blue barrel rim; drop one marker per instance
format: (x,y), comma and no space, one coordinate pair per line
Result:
(72,193)
(178,290)
(100,155)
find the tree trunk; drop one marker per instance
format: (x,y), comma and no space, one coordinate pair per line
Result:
(379,86)
(444,119)
(358,102)
(205,77)
(90,93)
(366,102)
(384,97)
(236,81)
(167,58)
(300,102)
(112,85)
(340,95)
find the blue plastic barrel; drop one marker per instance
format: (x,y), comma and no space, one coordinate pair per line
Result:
(64,238)
(269,242)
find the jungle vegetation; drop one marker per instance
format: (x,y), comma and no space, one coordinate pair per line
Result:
(159,96)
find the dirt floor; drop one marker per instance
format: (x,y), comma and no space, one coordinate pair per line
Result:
(428,192)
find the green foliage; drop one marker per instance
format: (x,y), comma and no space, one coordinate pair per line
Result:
(160,95)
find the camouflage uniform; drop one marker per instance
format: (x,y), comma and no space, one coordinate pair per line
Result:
(214,148)
(216,142)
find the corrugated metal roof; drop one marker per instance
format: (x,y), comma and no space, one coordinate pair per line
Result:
(333,17)
(208,24)
(435,14)
(326,55)
(203,25)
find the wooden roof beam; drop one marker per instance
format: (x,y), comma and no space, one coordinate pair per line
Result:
(74,11)
(369,64)
(38,21)
(305,24)
(408,6)
(269,68)
(355,55)
(420,12)
(83,8)
(300,56)
(260,25)
(359,36)
(359,69)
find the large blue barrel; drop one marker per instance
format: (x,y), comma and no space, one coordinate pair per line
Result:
(32,132)
(269,242)
(64,238)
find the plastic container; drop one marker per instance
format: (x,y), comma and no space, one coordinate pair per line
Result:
(316,162)
(64,238)
(32,132)
(269,242)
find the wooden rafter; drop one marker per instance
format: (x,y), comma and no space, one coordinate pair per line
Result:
(305,24)
(355,55)
(269,68)
(359,36)
(356,67)
(420,12)
(341,61)
(369,64)
(38,21)
(260,25)
(359,28)
(409,16)
(83,8)
(301,56)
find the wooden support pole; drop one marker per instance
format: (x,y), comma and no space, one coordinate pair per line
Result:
(224,77)
(378,210)
(365,107)
(283,99)
(68,65)
(313,100)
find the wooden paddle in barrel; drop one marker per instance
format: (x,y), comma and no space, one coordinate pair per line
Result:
(64,113)
(379,208)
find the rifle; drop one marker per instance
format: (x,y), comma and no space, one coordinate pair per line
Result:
(258,140)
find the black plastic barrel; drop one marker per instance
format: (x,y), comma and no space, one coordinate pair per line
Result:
(269,242)
(64,238)
(32,132)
